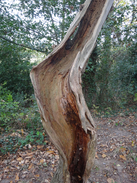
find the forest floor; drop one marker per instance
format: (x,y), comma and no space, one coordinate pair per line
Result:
(115,161)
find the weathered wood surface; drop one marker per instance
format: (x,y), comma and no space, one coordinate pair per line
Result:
(57,87)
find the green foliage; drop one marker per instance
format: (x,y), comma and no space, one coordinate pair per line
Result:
(29,118)
(28,115)
(15,115)
(17,29)
(114,80)
(15,68)
(8,144)
(110,79)
(8,108)
(89,85)
(37,24)
(122,78)
(13,143)
(135,99)
(22,114)
(32,138)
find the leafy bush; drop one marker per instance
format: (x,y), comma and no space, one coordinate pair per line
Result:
(15,68)
(8,108)
(88,78)
(16,114)
(29,117)
(110,80)
(33,138)
(121,80)
(15,141)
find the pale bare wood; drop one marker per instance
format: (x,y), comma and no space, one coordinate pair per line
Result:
(57,85)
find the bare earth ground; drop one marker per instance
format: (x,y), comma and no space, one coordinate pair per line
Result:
(115,162)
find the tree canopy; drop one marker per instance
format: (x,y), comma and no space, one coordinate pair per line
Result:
(36,24)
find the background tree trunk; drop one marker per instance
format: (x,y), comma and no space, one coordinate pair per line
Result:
(57,86)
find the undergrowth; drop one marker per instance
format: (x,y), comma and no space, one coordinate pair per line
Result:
(20,122)
(18,141)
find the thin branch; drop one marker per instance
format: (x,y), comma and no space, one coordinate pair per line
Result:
(22,45)
(63,19)
(54,29)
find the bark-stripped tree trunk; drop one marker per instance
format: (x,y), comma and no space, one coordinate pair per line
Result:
(57,86)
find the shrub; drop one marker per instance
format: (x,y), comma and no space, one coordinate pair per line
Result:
(15,68)
(8,108)
(18,114)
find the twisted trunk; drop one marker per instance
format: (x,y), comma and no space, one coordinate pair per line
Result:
(57,87)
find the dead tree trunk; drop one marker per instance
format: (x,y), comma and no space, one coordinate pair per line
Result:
(57,87)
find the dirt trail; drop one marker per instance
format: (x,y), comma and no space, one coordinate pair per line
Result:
(116,158)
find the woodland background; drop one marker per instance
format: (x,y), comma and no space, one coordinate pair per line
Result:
(29,30)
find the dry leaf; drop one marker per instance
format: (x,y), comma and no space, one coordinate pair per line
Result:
(29,157)
(112,149)
(30,154)
(51,174)
(110,180)
(39,146)
(122,157)
(19,159)
(42,161)
(50,152)
(122,149)
(31,165)
(37,175)
(104,150)
(22,131)
(104,155)
(96,156)
(17,177)
(15,134)
(21,162)
(128,152)
(104,145)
